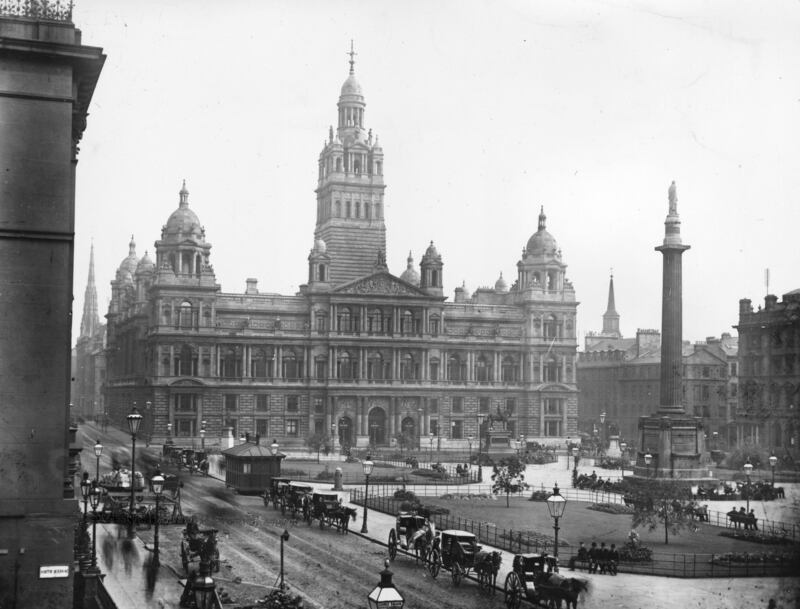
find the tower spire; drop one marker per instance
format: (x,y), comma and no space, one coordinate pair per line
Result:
(611,317)
(542,219)
(352,54)
(90,320)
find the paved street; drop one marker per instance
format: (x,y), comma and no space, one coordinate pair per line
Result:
(333,571)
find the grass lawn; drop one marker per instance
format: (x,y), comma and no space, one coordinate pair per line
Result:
(351,472)
(581,524)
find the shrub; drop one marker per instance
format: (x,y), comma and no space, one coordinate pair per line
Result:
(351,459)
(289,472)
(539,496)
(404,495)
(325,474)
(611,508)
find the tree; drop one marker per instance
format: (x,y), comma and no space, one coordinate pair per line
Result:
(508,476)
(405,440)
(657,502)
(316,441)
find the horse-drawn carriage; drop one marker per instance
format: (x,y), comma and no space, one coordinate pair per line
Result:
(324,507)
(413,533)
(117,501)
(535,578)
(295,498)
(459,552)
(275,492)
(201,544)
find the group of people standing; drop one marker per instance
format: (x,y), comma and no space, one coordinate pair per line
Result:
(600,559)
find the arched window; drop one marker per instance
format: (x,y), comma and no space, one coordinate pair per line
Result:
(456,369)
(186,362)
(321,273)
(510,369)
(346,367)
(186,315)
(374,321)
(292,365)
(552,371)
(337,207)
(231,363)
(321,321)
(344,320)
(375,366)
(552,328)
(434,368)
(258,364)
(409,369)
(166,313)
(483,369)
(407,323)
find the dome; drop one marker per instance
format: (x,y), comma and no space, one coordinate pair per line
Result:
(410,275)
(541,242)
(351,87)
(130,262)
(146,264)
(183,222)
(320,247)
(501,285)
(431,251)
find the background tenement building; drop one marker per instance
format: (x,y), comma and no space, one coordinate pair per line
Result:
(358,353)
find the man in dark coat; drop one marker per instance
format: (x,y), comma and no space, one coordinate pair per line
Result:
(613,559)
(593,551)
(602,558)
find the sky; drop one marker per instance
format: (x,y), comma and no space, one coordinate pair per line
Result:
(486,111)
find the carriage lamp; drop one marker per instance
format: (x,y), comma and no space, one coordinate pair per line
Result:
(385,595)
(94,500)
(748,468)
(204,588)
(773,461)
(556,505)
(98,450)
(273,448)
(134,421)
(85,486)
(157,483)
(648,459)
(367,465)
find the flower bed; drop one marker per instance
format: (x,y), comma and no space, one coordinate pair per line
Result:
(749,558)
(635,553)
(757,537)
(468,496)
(539,496)
(611,508)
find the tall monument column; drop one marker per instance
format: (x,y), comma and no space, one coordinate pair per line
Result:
(672,311)
(672,441)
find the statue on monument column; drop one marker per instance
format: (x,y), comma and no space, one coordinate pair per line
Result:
(673,198)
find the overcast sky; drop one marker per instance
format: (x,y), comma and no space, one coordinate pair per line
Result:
(485,111)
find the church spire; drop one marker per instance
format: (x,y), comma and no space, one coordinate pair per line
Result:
(611,317)
(90,320)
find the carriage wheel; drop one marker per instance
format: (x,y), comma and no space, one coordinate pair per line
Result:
(457,573)
(392,544)
(514,591)
(434,563)
(184,557)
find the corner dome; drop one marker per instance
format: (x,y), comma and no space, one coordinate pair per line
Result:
(431,251)
(130,262)
(146,264)
(320,247)
(183,222)
(501,285)
(410,275)
(542,242)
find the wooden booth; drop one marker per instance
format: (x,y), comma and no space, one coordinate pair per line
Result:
(250,467)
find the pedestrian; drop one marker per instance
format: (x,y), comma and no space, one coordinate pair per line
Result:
(751,520)
(583,556)
(593,557)
(743,518)
(603,557)
(613,559)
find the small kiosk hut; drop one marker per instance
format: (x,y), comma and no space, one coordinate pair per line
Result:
(250,467)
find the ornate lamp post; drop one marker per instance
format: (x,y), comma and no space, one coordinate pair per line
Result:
(94,501)
(169,433)
(556,505)
(419,426)
(748,468)
(134,421)
(85,488)
(648,458)
(603,430)
(469,440)
(430,448)
(773,461)
(284,537)
(367,465)
(203,436)
(273,448)
(98,450)
(157,482)
(385,595)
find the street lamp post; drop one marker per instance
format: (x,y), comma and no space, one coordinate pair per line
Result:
(367,466)
(648,458)
(556,505)
(430,448)
(469,440)
(773,461)
(385,595)
(603,431)
(284,537)
(169,433)
(373,435)
(85,488)
(748,468)
(203,436)
(98,450)
(419,429)
(94,500)
(204,587)
(158,486)
(134,421)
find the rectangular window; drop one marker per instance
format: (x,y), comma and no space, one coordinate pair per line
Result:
(321,369)
(321,323)
(458,430)
(319,405)
(434,371)
(186,403)
(247,468)
(458,404)
(292,403)
(553,406)
(319,427)
(434,326)
(262,402)
(233,424)
(230,403)
(291,427)
(511,404)
(435,427)
(483,405)
(552,428)
(433,406)
(705,393)
(262,427)
(733,369)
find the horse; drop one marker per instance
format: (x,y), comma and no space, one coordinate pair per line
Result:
(556,588)
(487,565)
(422,540)
(344,516)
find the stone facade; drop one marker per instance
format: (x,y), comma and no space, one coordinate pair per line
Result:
(47,77)
(769,373)
(358,353)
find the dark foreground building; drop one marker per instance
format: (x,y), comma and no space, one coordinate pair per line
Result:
(360,354)
(47,78)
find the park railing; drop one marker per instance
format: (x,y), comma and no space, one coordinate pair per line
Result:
(767,564)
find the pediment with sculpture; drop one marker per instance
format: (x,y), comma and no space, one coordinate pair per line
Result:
(381,284)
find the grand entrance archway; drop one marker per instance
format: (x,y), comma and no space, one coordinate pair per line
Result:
(345,431)
(376,426)
(408,427)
